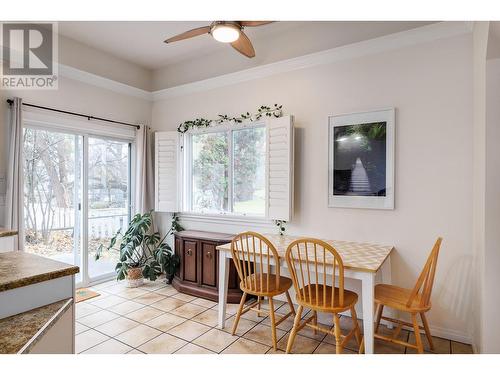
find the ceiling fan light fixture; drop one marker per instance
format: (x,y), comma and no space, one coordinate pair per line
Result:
(226,33)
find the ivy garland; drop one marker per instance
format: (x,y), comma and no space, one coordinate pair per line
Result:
(275,111)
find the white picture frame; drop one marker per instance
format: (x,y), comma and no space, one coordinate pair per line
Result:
(351,184)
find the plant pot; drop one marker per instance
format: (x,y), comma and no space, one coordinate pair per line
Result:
(134,277)
(169,278)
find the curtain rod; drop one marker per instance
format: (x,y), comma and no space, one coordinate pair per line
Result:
(88,117)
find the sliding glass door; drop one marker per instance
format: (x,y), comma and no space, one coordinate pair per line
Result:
(52,195)
(108,200)
(77,192)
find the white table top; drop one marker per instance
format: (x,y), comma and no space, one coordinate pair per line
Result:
(367,257)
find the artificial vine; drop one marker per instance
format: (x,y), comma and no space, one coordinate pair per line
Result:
(266,111)
(281,226)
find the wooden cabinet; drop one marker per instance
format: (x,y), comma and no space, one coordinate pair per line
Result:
(198,273)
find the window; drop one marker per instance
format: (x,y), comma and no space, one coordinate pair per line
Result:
(225,171)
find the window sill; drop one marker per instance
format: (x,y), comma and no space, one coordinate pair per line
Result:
(227,219)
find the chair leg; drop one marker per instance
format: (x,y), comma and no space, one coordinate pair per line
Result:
(315,322)
(380,309)
(238,314)
(259,303)
(294,331)
(273,322)
(338,334)
(292,309)
(427,330)
(357,332)
(416,329)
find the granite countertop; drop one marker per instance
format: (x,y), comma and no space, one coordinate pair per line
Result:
(7,232)
(20,332)
(18,268)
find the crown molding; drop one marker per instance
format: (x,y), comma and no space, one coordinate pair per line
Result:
(106,83)
(389,42)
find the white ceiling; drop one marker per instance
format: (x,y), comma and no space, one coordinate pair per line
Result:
(142,42)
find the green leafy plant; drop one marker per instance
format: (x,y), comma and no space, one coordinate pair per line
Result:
(267,111)
(281,226)
(141,247)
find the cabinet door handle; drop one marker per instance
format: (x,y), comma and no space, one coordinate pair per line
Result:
(189,252)
(209,255)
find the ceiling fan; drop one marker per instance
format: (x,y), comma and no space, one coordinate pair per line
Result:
(225,32)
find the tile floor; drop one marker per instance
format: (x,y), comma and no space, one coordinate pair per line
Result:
(157,319)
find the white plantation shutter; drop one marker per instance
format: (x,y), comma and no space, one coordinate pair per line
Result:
(166,171)
(279,168)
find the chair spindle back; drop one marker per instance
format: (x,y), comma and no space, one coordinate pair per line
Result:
(252,255)
(425,281)
(307,259)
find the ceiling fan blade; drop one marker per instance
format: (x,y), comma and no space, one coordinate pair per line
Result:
(243,45)
(189,34)
(254,23)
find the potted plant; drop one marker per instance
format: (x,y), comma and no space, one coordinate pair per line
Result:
(143,253)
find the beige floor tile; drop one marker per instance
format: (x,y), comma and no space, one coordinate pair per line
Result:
(262,333)
(135,351)
(384,347)
(131,293)
(126,307)
(168,304)
(204,302)
(167,291)
(325,348)
(152,285)
(208,317)
(100,317)
(162,344)
(184,297)
(278,352)
(149,298)
(459,348)
(145,314)
(301,344)
(188,310)
(244,346)
(118,287)
(107,301)
(83,309)
(117,326)
(441,346)
(138,335)
(105,285)
(215,340)
(109,347)
(88,339)
(165,322)
(231,308)
(102,295)
(79,328)
(193,349)
(244,325)
(189,330)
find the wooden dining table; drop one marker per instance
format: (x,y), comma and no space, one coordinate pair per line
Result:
(362,261)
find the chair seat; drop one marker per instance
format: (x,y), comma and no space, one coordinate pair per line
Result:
(316,300)
(255,287)
(397,298)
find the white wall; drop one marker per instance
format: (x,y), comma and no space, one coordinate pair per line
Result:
(491,304)
(431,87)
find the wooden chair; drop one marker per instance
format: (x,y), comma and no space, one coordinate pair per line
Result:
(305,257)
(253,255)
(416,301)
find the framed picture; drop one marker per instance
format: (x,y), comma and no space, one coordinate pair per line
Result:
(361,160)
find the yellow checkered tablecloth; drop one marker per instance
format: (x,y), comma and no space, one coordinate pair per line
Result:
(361,256)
